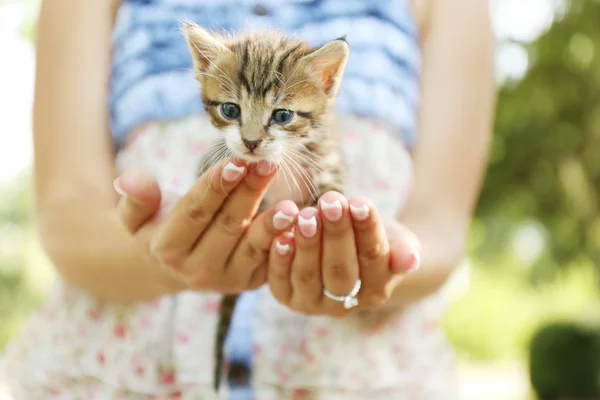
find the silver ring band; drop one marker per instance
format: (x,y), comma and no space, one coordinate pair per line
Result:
(350,299)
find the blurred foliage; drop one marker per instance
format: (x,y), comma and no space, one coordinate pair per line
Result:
(565,362)
(545,163)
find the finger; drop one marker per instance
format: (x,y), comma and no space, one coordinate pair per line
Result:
(404,249)
(194,212)
(280,267)
(253,250)
(340,262)
(307,283)
(230,223)
(140,198)
(373,250)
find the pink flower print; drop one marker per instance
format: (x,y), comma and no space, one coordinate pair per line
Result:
(101,358)
(140,371)
(300,394)
(54,392)
(175,183)
(305,350)
(183,339)
(145,323)
(212,306)
(322,332)
(155,304)
(93,314)
(176,395)
(120,331)
(351,135)
(256,350)
(168,377)
(284,350)
(198,147)
(382,185)
(161,152)
(284,376)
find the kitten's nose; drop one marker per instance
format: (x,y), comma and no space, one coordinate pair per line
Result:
(252,144)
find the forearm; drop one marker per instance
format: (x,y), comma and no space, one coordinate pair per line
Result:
(91,250)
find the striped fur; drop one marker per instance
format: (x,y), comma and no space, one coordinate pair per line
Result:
(262,72)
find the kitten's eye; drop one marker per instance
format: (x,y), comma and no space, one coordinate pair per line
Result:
(230,110)
(282,116)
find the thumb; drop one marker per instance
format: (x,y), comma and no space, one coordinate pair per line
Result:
(405,248)
(140,198)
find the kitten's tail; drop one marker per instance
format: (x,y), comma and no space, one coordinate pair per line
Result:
(228,303)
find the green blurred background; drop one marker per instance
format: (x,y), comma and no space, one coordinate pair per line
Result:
(534,245)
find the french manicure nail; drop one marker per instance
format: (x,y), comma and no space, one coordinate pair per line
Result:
(118,187)
(360,213)
(282,249)
(265,168)
(411,263)
(332,211)
(414,263)
(308,227)
(282,220)
(232,172)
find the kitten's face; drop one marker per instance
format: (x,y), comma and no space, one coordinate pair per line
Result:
(267,94)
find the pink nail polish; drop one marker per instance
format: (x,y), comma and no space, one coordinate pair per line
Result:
(360,213)
(308,227)
(118,187)
(282,249)
(282,220)
(332,211)
(411,263)
(265,168)
(232,172)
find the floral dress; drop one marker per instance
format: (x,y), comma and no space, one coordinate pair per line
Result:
(77,347)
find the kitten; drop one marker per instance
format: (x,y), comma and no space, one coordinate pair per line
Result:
(271,97)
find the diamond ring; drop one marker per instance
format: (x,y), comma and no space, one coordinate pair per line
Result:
(350,299)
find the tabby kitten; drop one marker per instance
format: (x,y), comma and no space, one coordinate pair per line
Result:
(271,97)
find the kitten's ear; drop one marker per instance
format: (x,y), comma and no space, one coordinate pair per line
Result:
(328,63)
(204,46)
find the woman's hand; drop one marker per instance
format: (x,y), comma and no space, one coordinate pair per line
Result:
(332,247)
(208,239)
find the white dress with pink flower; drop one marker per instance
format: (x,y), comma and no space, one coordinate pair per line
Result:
(77,347)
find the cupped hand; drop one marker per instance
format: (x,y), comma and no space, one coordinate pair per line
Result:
(208,239)
(331,247)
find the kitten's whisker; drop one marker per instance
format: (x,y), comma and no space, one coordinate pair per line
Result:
(304,176)
(294,180)
(308,159)
(308,176)
(284,173)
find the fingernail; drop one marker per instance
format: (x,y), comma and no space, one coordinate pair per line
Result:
(282,249)
(414,262)
(359,213)
(411,263)
(332,211)
(118,187)
(265,168)
(232,172)
(282,220)
(308,227)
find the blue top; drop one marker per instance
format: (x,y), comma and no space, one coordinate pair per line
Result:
(152,77)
